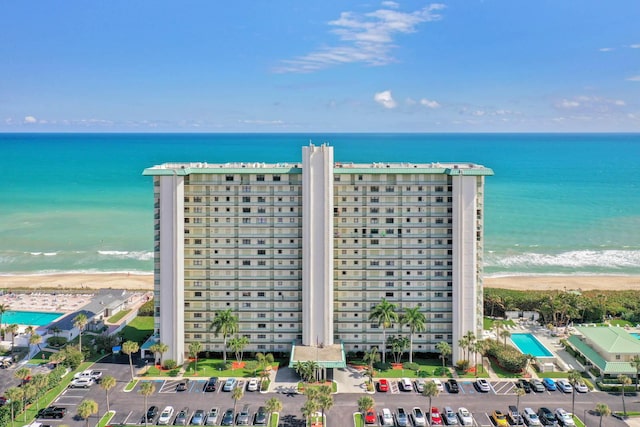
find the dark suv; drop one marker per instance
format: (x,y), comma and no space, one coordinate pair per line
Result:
(151,413)
(547,417)
(211,384)
(453,385)
(524,384)
(52,412)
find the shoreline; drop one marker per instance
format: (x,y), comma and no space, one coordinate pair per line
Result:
(144,281)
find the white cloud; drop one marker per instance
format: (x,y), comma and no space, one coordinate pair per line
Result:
(385,99)
(565,103)
(634,78)
(365,38)
(635,46)
(593,104)
(262,122)
(28,120)
(606,49)
(429,103)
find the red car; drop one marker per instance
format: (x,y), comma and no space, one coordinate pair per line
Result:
(370,416)
(383,385)
(436,418)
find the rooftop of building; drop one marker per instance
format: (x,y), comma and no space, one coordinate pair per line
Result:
(613,340)
(328,356)
(183,169)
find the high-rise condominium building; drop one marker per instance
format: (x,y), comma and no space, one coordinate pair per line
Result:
(301,252)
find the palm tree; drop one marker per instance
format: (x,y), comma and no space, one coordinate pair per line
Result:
(308,409)
(40,383)
(236,394)
(416,321)
(57,358)
(519,393)
(129,347)
(55,330)
(194,349)
(635,362)
(237,345)
(365,403)
(574,378)
(370,357)
(3,309)
(470,337)
(479,347)
(324,400)
(28,392)
(107,383)
(13,395)
(35,339)
(603,410)
(80,321)
(463,343)
(385,314)
(624,381)
(430,391)
(22,374)
(273,405)
(86,408)
(505,334)
(13,330)
(445,351)
(146,389)
(224,323)
(159,348)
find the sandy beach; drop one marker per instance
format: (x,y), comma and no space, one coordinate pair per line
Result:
(145,282)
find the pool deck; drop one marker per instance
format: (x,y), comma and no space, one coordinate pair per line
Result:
(45,302)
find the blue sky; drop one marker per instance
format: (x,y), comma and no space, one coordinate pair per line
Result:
(320,66)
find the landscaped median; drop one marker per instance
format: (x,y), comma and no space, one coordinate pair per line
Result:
(106,418)
(358,419)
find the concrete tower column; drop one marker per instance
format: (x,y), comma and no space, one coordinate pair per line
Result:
(172,266)
(317,245)
(465,260)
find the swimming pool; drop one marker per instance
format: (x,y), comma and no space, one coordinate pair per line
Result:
(33,318)
(528,344)
(635,335)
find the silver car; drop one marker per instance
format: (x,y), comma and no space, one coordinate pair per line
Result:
(212,417)
(449,416)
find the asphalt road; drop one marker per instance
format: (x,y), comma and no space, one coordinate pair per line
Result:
(130,406)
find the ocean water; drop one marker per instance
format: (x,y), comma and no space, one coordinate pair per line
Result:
(558,203)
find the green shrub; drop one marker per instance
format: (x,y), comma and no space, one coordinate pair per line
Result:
(410,366)
(462,365)
(382,366)
(56,341)
(170,364)
(507,357)
(146,309)
(265,384)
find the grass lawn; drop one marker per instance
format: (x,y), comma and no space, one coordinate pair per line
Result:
(216,368)
(39,360)
(428,368)
(274,420)
(155,372)
(119,315)
(138,329)
(552,374)
(621,323)
(106,418)
(478,373)
(302,386)
(578,422)
(487,323)
(358,420)
(506,374)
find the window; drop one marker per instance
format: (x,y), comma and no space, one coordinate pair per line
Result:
(262,315)
(261,294)
(389,294)
(262,252)
(228,178)
(276,177)
(261,336)
(197,315)
(262,326)
(259,177)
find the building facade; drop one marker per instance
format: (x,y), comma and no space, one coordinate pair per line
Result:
(302,252)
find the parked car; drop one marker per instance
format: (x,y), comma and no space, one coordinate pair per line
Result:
(243,416)
(252,385)
(546,417)
(370,416)
(55,412)
(212,417)
(182,385)
(564,386)
(465,417)
(383,385)
(81,383)
(453,386)
(581,387)
(549,384)
(402,418)
(229,384)
(531,418)
(524,384)
(499,419)
(514,417)
(261,417)
(387,417)
(198,418)
(537,386)
(211,384)
(419,419)
(483,385)
(435,417)
(182,418)
(564,418)
(405,384)
(420,383)
(165,416)
(152,412)
(227,418)
(438,384)
(449,416)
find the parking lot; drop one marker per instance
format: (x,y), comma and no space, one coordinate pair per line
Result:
(130,407)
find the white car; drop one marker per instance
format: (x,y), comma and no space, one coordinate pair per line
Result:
(438,384)
(165,416)
(531,418)
(83,374)
(420,382)
(564,418)
(405,384)
(581,387)
(387,417)
(81,383)
(564,385)
(483,385)
(252,385)
(466,419)
(419,419)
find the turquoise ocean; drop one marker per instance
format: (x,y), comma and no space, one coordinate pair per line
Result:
(558,203)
